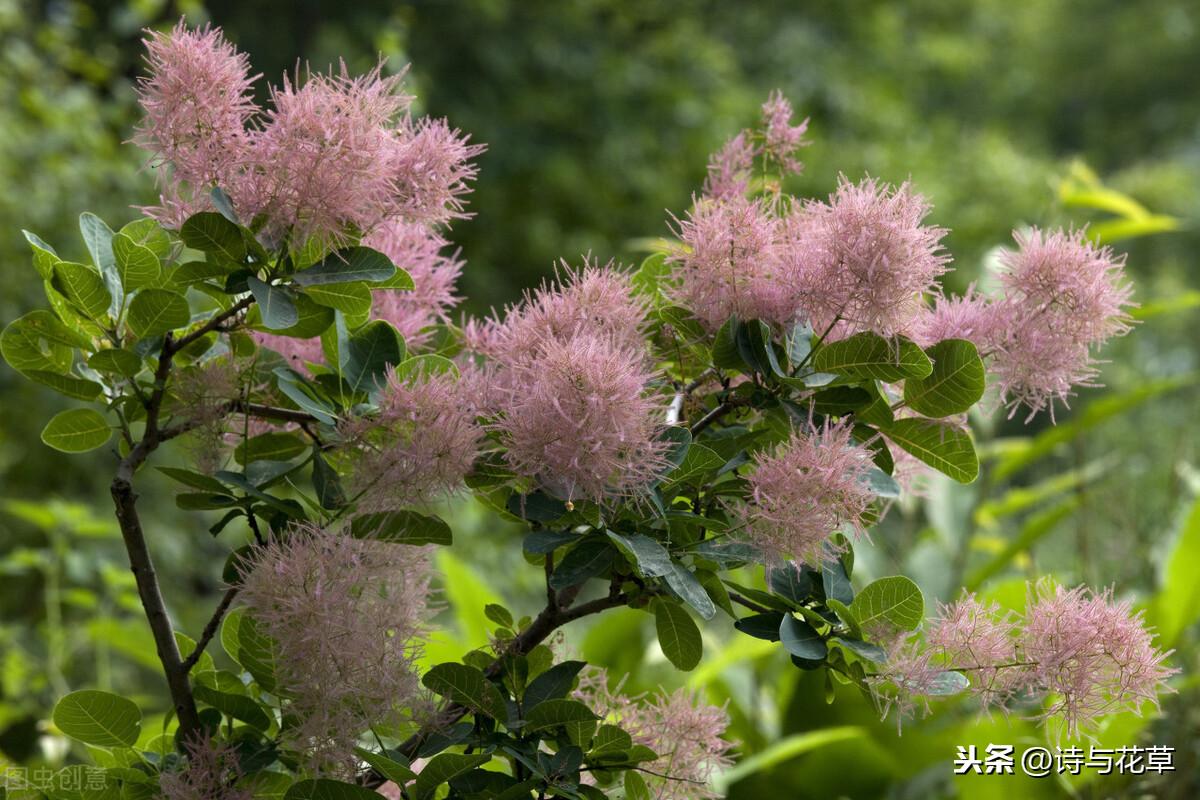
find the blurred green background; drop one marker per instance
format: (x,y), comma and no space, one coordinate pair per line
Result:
(599,116)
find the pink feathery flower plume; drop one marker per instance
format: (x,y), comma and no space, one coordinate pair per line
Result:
(197,103)
(212,773)
(971,316)
(418,250)
(680,727)
(780,138)
(1090,653)
(805,490)
(420,445)
(580,419)
(347,616)
(1063,297)
(593,300)
(431,167)
(322,156)
(864,259)
(730,264)
(729,169)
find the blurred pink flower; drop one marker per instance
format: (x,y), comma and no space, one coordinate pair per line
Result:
(347,616)
(1063,296)
(417,249)
(805,490)
(679,726)
(781,139)
(211,773)
(1090,653)
(729,169)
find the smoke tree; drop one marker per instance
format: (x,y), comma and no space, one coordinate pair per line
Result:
(751,398)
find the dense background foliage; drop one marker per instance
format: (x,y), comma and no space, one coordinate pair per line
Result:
(599,115)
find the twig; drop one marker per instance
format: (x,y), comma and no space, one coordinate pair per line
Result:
(210,629)
(750,604)
(213,324)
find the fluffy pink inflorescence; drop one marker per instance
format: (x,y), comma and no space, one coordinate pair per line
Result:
(980,637)
(323,156)
(1063,296)
(333,157)
(198,100)
(683,730)
(581,420)
(864,259)
(418,250)
(805,490)
(781,139)
(347,615)
(420,445)
(731,265)
(211,774)
(970,316)
(1091,653)
(729,169)
(590,300)
(1088,653)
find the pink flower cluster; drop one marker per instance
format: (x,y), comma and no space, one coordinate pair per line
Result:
(804,491)
(420,445)
(346,615)
(683,730)
(861,261)
(1089,653)
(211,773)
(570,383)
(776,141)
(333,157)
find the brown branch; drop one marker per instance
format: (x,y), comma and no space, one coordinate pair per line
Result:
(210,630)
(171,348)
(712,416)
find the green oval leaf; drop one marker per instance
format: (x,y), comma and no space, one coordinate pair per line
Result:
(556,712)
(99,718)
(209,232)
(945,447)
(156,311)
(77,431)
(955,384)
(871,356)
(274,303)
(894,599)
(137,266)
(328,789)
(467,686)
(678,635)
(115,362)
(401,527)
(84,287)
(801,639)
(348,265)
(352,299)
(439,770)
(369,352)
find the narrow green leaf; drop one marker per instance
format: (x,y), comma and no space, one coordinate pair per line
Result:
(270,446)
(690,590)
(649,558)
(401,527)
(99,240)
